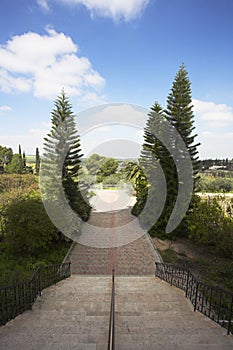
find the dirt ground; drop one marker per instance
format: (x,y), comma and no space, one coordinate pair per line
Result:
(181,246)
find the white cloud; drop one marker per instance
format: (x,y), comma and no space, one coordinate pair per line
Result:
(44,64)
(216,145)
(121,113)
(115,9)
(43,4)
(5,108)
(214,125)
(214,115)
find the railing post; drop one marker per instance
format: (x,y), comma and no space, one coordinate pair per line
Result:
(220,305)
(39,282)
(111,333)
(230,317)
(187,284)
(171,276)
(195,301)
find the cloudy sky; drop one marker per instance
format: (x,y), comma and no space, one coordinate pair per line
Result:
(108,52)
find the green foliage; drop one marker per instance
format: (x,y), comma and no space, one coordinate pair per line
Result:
(18,183)
(112,179)
(27,226)
(15,268)
(94,163)
(27,237)
(108,167)
(134,173)
(210,225)
(15,166)
(5,155)
(214,184)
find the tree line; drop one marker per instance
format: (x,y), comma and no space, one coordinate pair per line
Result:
(11,163)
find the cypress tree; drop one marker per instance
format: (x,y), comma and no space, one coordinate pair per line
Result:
(20,161)
(37,169)
(24,162)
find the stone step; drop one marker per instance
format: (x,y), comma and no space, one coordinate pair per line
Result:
(150,314)
(74,314)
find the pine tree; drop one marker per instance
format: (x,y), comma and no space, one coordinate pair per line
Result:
(62,154)
(179,113)
(167,155)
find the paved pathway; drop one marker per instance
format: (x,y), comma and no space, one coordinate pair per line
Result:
(110,200)
(135,258)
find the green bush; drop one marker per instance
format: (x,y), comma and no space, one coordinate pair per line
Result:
(214,184)
(27,226)
(209,224)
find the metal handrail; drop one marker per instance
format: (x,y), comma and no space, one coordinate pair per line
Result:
(19,297)
(111,333)
(213,302)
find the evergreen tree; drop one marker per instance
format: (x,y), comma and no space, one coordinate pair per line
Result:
(20,161)
(62,148)
(179,112)
(15,166)
(37,169)
(155,154)
(24,162)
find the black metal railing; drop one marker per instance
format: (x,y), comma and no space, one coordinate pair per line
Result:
(20,297)
(214,302)
(111,333)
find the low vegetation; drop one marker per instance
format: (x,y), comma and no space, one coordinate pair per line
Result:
(202,260)
(27,236)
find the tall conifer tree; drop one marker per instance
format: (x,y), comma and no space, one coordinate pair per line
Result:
(37,161)
(62,145)
(180,115)
(20,161)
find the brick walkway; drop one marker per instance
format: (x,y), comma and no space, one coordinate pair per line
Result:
(135,258)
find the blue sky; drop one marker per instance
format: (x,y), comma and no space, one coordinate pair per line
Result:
(116,51)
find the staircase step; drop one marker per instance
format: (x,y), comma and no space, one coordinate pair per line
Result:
(150,314)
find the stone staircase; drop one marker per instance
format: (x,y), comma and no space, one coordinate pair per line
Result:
(150,314)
